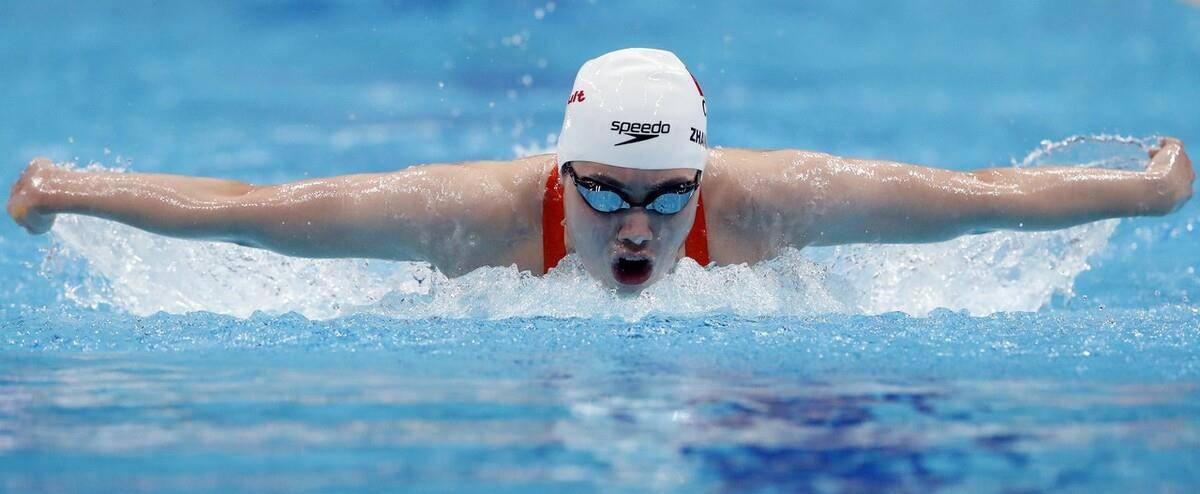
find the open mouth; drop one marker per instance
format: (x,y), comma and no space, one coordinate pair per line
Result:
(632,271)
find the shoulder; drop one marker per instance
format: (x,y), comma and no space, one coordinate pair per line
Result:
(511,189)
(741,164)
(756,199)
(736,178)
(485,188)
(510,175)
(496,203)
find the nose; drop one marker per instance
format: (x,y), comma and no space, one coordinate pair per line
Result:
(635,230)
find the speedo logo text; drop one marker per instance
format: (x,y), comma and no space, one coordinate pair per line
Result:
(639,131)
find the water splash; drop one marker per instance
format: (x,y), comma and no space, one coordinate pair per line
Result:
(105,263)
(101,263)
(1092,151)
(981,274)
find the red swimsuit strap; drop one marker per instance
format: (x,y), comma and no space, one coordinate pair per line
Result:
(696,245)
(554,247)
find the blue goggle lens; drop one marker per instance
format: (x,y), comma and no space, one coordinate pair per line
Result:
(607,201)
(670,202)
(604,201)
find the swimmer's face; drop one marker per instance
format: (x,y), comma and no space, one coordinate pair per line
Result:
(628,249)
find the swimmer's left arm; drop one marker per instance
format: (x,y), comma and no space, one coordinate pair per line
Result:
(851,201)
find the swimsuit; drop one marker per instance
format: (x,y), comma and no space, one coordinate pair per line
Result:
(554,247)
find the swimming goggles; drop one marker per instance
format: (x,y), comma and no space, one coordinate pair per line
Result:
(607,199)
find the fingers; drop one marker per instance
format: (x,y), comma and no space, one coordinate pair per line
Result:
(30,169)
(12,191)
(36,165)
(1169,142)
(17,211)
(1164,143)
(16,206)
(22,199)
(1171,145)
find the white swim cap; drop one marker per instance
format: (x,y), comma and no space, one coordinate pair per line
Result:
(635,108)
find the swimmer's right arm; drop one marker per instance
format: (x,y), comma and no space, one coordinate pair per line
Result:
(456,217)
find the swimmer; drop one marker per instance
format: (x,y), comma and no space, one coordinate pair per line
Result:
(632,189)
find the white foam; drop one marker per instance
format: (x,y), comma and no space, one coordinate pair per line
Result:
(104,263)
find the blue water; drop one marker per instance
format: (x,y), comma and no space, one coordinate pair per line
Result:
(1067,361)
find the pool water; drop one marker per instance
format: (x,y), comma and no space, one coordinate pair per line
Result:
(1005,362)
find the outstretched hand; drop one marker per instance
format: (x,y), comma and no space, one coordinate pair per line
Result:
(25,199)
(1172,174)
